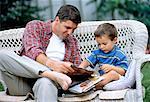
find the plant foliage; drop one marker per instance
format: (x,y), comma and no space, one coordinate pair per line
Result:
(16,13)
(123,9)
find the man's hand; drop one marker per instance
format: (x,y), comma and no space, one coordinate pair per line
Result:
(60,66)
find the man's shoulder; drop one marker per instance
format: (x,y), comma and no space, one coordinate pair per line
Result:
(35,22)
(39,25)
(38,22)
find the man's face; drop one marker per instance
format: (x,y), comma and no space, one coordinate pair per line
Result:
(105,43)
(65,28)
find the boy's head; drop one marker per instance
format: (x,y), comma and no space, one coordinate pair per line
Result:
(106,36)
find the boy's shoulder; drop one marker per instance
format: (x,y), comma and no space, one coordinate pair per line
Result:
(119,52)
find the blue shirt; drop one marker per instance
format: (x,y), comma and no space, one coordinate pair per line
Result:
(115,57)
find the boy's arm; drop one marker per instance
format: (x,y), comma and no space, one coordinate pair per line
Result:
(107,68)
(119,70)
(84,64)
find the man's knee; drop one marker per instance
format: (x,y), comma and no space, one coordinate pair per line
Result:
(4,54)
(3,59)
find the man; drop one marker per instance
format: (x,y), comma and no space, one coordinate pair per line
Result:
(47,53)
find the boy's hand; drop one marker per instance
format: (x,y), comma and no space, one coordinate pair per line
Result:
(81,71)
(107,67)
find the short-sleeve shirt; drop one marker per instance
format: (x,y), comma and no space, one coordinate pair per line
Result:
(115,57)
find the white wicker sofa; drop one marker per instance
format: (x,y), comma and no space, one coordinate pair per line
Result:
(132,39)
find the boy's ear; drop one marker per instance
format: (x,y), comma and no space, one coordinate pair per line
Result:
(115,40)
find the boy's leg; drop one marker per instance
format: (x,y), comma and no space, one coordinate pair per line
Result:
(108,77)
(16,70)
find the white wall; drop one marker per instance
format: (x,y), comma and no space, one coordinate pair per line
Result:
(54,5)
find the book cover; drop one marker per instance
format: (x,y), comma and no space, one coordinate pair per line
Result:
(80,74)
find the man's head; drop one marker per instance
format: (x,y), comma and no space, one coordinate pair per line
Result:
(66,21)
(106,36)
(69,12)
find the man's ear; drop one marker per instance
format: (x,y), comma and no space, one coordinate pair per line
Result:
(57,19)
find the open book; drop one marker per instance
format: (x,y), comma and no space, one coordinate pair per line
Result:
(86,85)
(80,74)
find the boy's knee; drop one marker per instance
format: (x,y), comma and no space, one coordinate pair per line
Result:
(114,74)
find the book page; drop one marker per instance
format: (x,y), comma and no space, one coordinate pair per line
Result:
(86,85)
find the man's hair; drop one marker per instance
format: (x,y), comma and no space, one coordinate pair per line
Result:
(106,28)
(69,12)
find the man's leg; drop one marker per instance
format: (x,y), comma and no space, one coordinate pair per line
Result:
(45,90)
(16,70)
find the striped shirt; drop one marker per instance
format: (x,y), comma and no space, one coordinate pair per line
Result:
(36,38)
(115,57)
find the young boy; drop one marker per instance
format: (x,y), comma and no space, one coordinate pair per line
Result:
(111,60)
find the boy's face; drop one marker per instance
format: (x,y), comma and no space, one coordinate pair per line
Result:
(105,43)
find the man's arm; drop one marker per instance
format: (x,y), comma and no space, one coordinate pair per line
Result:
(42,58)
(32,39)
(59,66)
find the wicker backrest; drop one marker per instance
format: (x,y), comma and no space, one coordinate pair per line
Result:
(11,39)
(132,37)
